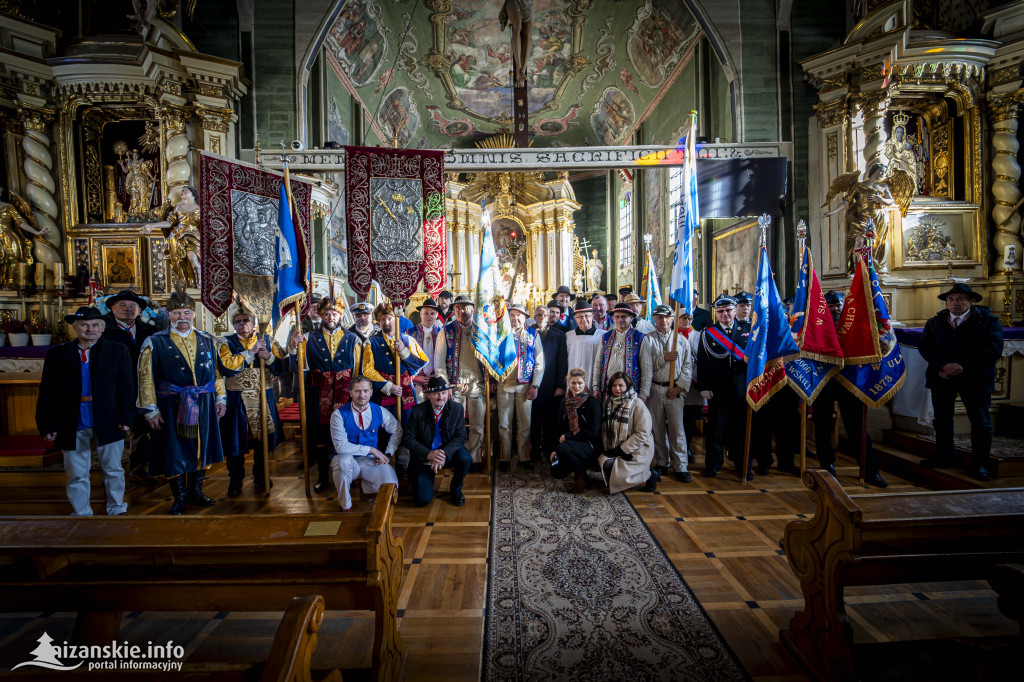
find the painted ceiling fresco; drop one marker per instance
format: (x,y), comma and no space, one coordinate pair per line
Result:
(593,69)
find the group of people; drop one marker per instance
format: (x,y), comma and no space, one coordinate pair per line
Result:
(594,387)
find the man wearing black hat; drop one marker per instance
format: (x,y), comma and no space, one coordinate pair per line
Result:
(124,325)
(961,345)
(544,421)
(722,380)
(619,350)
(664,397)
(582,342)
(744,301)
(564,298)
(87,394)
(435,436)
(426,333)
(519,389)
(456,362)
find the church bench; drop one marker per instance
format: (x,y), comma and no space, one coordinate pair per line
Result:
(883,539)
(102,566)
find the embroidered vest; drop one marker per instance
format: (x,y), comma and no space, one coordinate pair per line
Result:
(524,350)
(453,342)
(630,364)
(318,353)
(368,435)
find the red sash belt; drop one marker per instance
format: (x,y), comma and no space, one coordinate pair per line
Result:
(333,392)
(727,343)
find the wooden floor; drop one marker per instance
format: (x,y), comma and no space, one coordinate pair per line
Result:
(722,536)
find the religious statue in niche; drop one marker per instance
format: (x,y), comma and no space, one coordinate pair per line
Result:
(518,16)
(15,247)
(907,152)
(181,225)
(138,182)
(595,270)
(865,203)
(41,249)
(929,241)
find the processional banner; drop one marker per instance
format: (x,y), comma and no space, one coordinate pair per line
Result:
(239,235)
(396,220)
(821,356)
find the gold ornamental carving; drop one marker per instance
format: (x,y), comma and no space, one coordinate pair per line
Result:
(831,113)
(1005,75)
(939,170)
(210,90)
(832,82)
(833,145)
(873,72)
(35,119)
(1003,108)
(216,119)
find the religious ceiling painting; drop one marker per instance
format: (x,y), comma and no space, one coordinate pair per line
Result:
(658,38)
(398,117)
(358,40)
(336,129)
(613,116)
(656,199)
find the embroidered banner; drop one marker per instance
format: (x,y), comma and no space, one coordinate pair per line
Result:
(770,344)
(239,220)
(396,220)
(811,325)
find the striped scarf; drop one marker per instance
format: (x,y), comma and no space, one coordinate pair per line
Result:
(572,402)
(617,412)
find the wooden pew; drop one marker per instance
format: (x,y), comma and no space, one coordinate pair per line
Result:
(887,538)
(102,566)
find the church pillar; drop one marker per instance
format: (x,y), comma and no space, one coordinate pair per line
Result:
(537,262)
(1005,187)
(178,170)
(874,106)
(551,255)
(38,169)
(474,236)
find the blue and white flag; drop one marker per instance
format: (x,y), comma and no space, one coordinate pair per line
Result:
(495,347)
(682,282)
(291,275)
(876,383)
(770,344)
(653,289)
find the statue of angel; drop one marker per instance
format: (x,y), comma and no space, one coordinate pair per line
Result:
(865,201)
(182,238)
(23,239)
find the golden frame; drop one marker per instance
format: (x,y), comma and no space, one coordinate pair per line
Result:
(716,238)
(960,216)
(119,264)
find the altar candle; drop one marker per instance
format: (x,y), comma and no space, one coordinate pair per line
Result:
(21,275)
(39,275)
(1009,256)
(58,275)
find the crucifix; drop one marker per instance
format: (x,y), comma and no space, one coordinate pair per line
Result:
(518,16)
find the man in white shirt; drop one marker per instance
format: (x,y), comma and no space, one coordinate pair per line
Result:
(582,342)
(519,389)
(355,432)
(663,397)
(425,334)
(619,350)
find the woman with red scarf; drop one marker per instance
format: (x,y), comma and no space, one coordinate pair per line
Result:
(580,426)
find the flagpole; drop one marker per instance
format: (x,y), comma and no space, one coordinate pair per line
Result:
(487,424)
(863,443)
(746,447)
(398,363)
(264,413)
(675,345)
(801,245)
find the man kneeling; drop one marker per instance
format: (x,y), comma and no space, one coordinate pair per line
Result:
(435,435)
(355,430)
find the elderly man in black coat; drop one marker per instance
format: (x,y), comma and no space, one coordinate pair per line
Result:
(544,427)
(86,396)
(961,345)
(125,325)
(435,435)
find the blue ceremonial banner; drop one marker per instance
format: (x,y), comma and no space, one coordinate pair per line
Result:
(495,347)
(814,332)
(682,283)
(770,343)
(653,289)
(808,377)
(291,276)
(876,383)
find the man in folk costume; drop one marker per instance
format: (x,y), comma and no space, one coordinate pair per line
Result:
(85,395)
(563,298)
(582,342)
(619,350)
(356,433)
(364,327)
(331,354)
(238,359)
(125,326)
(379,361)
(663,399)
(455,360)
(182,394)
(426,333)
(519,389)
(637,304)
(722,379)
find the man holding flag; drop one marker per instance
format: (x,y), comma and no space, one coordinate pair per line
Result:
(378,361)
(455,361)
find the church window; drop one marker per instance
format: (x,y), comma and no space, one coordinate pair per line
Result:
(626,228)
(675,201)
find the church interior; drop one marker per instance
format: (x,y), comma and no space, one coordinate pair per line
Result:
(877,140)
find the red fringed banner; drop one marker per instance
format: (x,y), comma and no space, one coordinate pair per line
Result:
(396,220)
(240,197)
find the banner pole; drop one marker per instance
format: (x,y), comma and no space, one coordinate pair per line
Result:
(264,413)
(487,424)
(746,447)
(300,357)
(803,437)
(398,366)
(675,345)
(863,442)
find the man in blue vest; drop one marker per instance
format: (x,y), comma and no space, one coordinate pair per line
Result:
(331,354)
(619,350)
(563,298)
(519,389)
(435,436)
(355,432)
(238,359)
(182,395)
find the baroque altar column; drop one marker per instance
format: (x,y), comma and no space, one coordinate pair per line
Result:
(38,169)
(178,170)
(536,260)
(1005,187)
(874,106)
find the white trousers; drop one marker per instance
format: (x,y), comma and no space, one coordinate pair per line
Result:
(346,468)
(507,402)
(667,428)
(77,463)
(476,409)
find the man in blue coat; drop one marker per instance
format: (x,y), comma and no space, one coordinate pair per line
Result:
(238,360)
(962,345)
(182,396)
(379,362)
(85,396)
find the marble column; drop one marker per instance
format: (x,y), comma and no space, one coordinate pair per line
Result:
(1005,187)
(41,187)
(178,169)
(536,259)
(874,106)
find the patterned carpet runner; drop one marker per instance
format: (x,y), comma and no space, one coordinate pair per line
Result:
(579,589)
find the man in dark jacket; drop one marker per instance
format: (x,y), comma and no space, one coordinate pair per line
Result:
(435,435)
(961,345)
(86,394)
(543,428)
(125,326)
(701,317)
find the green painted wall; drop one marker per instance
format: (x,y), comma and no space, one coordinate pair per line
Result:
(592,218)
(273,78)
(760,84)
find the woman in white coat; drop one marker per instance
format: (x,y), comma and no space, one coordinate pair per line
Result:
(628,444)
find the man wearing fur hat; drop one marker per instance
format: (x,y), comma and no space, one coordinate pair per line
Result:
(182,395)
(238,359)
(331,356)
(456,362)
(519,389)
(379,361)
